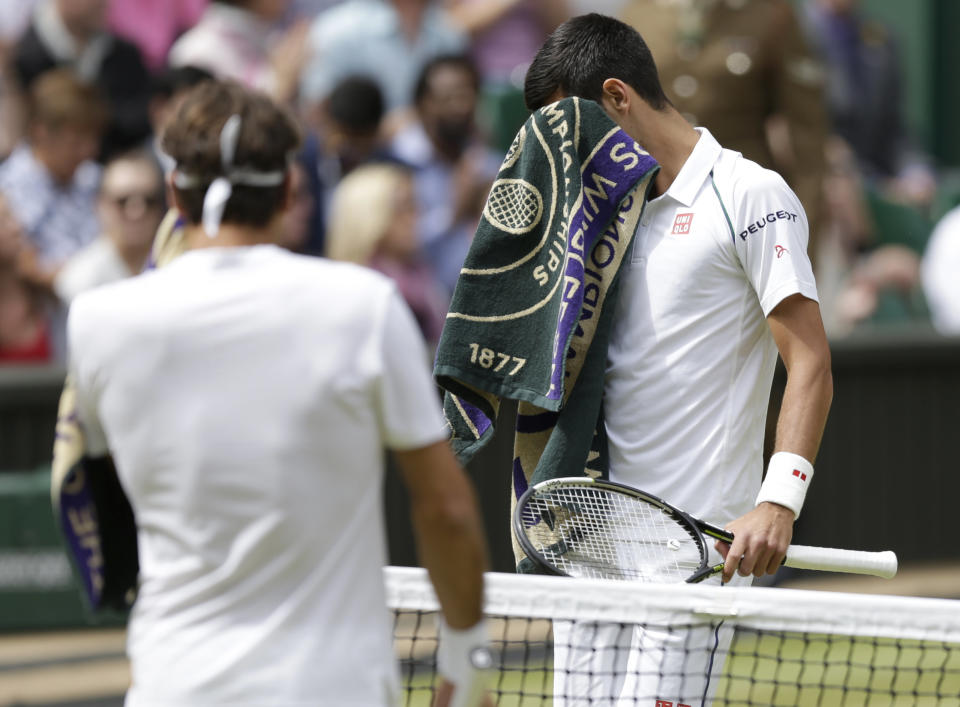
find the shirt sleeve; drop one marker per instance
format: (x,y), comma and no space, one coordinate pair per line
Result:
(410,412)
(771,240)
(80,366)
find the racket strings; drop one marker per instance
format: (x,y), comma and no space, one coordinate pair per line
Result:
(593,532)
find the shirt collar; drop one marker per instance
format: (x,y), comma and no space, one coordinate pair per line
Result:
(696,169)
(56,38)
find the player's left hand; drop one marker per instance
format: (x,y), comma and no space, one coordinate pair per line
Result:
(760,541)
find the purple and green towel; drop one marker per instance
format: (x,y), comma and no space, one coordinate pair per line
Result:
(531,313)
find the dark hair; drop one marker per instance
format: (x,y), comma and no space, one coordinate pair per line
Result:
(173,80)
(459,61)
(584,52)
(268,134)
(356,105)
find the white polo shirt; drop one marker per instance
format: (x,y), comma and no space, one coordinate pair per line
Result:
(941,263)
(691,359)
(246,395)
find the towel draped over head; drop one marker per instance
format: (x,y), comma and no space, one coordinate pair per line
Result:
(531,313)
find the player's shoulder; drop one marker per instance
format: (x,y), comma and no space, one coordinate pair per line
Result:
(342,277)
(110,299)
(355,289)
(738,179)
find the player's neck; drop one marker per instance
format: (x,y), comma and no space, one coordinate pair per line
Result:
(670,140)
(231,235)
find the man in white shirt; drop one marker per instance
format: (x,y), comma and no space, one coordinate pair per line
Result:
(245,395)
(718,283)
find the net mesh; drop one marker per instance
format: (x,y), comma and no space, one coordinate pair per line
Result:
(560,641)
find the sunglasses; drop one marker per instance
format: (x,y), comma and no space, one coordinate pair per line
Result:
(134,206)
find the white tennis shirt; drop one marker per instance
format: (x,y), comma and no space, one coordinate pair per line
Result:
(246,395)
(691,356)
(941,265)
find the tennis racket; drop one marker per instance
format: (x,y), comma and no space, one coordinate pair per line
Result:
(583,527)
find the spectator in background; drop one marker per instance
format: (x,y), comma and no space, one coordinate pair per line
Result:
(941,274)
(14,19)
(309,8)
(50,181)
(389,40)
(347,134)
(865,99)
(373,222)
(743,70)
(241,40)
(72,33)
(24,330)
(153,25)
(453,166)
(130,206)
(506,34)
(858,279)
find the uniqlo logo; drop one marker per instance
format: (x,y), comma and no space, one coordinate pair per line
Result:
(681,224)
(801,475)
(668,703)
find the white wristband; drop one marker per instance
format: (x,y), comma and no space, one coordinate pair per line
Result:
(464,659)
(788,478)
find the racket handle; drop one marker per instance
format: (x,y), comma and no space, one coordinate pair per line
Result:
(828,559)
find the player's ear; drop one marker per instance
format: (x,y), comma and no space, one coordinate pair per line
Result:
(615,98)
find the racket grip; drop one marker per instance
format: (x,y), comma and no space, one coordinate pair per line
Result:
(828,559)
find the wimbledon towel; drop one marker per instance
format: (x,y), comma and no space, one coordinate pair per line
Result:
(531,312)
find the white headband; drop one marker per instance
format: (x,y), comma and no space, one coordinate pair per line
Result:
(220,189)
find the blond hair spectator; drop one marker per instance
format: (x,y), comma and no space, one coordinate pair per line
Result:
(373,222)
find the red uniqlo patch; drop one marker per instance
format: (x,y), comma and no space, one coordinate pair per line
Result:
(803,477)
(668,703)
(681,224)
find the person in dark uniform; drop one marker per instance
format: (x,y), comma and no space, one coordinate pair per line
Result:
(743,69)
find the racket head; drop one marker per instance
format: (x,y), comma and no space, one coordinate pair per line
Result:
(592,528)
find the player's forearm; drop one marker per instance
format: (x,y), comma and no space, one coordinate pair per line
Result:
(450,545)
(806,404)
(448,530)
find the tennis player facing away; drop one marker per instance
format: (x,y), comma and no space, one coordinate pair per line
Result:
(245,395)
(717,284)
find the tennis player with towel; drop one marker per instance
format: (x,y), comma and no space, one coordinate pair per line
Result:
(245,395)
(642,348)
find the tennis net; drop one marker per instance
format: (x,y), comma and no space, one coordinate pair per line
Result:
(560,641)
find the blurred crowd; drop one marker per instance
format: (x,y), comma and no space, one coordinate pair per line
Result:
(407,106)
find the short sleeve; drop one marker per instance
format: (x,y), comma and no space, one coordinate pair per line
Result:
(81,374)
(771,240)
(411,415)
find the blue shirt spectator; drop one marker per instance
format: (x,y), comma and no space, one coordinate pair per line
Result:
(57,218)
(385,39)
